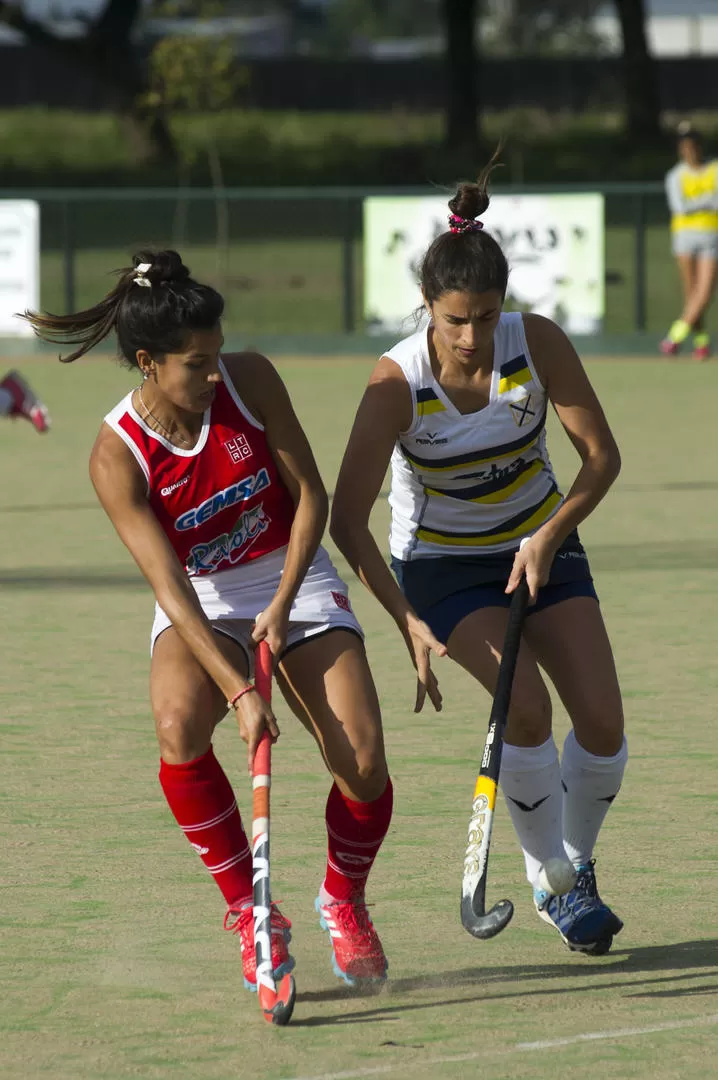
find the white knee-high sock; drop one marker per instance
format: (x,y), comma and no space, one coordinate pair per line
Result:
(590,784)
(531,783)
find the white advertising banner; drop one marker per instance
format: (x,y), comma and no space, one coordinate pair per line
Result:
(554,245)
(19,264)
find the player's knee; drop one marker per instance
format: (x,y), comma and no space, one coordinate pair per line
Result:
(368,774)
(599,728)
(176,733)
(529,721)
(371,763)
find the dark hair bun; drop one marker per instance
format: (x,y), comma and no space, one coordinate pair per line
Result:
(470,201)
(165,266)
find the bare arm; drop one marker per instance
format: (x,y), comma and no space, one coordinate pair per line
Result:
(262,389)
(120,487)
(385,410)
(583,420)
(674,196)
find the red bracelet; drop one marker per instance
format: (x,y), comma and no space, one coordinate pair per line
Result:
(233,701)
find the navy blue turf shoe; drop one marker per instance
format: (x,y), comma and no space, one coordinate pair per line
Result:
(582,919)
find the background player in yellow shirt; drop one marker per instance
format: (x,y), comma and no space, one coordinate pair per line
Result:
(692,193)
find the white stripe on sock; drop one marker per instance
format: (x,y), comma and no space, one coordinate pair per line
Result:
(212,821)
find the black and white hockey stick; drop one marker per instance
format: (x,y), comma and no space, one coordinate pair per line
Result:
(474,916)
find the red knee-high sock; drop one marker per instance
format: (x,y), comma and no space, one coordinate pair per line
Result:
(201,798)
(355,831)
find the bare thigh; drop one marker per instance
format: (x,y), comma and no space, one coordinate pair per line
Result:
(187,705)
(327,683)
(570,642)
(477,643)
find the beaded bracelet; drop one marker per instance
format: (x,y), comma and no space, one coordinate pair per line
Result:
(233,701)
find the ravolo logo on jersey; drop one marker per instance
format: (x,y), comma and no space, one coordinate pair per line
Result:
(554,245)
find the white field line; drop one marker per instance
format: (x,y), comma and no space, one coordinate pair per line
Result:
(522,1047)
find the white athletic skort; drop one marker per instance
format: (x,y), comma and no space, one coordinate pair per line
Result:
(232,599)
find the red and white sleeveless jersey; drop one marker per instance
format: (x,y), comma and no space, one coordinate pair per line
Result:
(221,503)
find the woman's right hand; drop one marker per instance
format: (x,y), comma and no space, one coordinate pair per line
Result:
(254,717)
(421,642)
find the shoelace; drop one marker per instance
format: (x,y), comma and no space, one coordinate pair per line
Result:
(245,915)
(582,895)
(356,918)
(586,881)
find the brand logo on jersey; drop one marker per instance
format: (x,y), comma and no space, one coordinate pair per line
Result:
(342,601)
(238,449)
(521,410)
(432,440)
(496,472)
(229,547)
(235,493)
(173,487)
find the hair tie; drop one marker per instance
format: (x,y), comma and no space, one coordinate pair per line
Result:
(461,224)
(141,277)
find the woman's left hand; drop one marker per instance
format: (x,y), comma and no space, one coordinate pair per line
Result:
(272,625)
(533,561)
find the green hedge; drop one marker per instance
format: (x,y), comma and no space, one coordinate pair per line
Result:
(40,147)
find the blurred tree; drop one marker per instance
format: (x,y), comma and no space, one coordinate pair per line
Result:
(462,64)
(640,80)
(305,22)
(107,52)
(192,72)
(542,27)
(350,22)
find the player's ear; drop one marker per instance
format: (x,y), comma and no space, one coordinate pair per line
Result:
(144,362)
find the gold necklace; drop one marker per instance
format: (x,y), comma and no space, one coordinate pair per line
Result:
(170,434)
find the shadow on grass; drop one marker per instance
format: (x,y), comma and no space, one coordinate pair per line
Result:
(655,556)
(673,485)
(46,508)
(45,578)
(691,959)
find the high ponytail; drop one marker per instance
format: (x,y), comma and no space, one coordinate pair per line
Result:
(466,258)
(86,329)
(153,306)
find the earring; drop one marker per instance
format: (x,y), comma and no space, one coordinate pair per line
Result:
(145,375)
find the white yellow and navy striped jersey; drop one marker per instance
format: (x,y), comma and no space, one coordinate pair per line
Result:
(693,197)
(475,482)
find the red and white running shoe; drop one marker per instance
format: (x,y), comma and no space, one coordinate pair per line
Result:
(357,952)
(668,347)
(241,922)
(702,352)
(25,402)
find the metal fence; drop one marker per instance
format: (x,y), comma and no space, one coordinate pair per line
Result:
(290,261)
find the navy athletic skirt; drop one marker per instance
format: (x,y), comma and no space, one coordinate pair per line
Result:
(444,589)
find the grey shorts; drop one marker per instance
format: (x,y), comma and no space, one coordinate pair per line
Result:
(699,242)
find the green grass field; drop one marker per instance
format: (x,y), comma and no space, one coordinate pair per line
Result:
(113,962)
